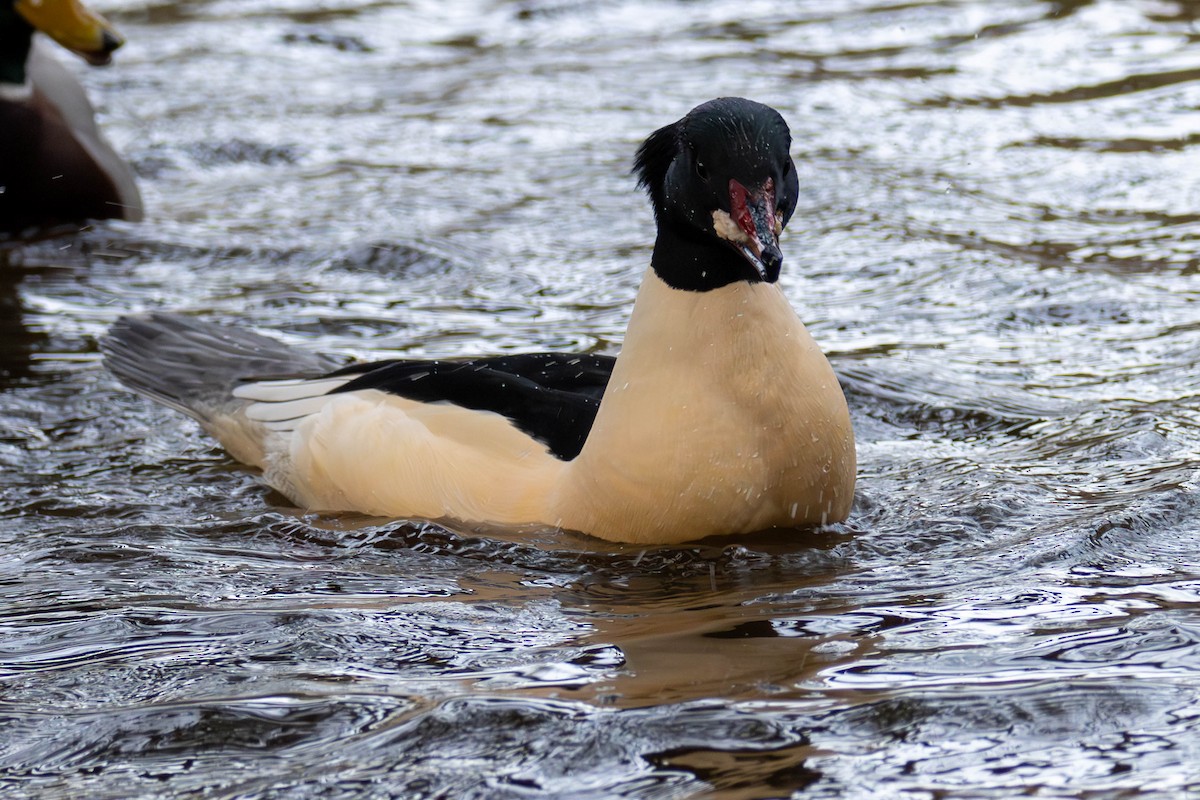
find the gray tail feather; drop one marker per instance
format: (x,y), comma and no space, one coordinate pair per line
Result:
(193,366)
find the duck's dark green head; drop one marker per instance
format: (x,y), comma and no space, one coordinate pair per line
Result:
(723,187)
(68,22)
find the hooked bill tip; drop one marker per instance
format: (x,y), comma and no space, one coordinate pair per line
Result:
(772,257)
(771,260)
(766,261)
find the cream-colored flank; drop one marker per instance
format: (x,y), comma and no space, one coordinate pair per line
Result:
(722,416)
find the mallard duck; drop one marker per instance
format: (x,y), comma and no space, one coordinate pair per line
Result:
(721,415)
(56,166)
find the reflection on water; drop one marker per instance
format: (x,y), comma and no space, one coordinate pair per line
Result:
(998,243)
(16,341)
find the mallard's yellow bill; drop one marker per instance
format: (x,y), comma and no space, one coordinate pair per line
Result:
(74,26)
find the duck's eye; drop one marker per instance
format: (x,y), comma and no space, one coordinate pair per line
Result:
(701,172)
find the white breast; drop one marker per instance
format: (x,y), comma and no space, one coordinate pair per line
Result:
(722,416)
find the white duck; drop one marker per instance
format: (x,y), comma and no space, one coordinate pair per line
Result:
(721,415)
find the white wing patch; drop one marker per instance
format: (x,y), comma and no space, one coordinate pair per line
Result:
(282,405)
(290,389)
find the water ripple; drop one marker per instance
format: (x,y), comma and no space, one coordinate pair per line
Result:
(997,242)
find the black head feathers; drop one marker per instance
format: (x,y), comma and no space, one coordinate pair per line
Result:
(723,186)
(743,129)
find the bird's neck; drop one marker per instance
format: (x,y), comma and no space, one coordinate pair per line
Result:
(720,340)
(692,261)
(16,37)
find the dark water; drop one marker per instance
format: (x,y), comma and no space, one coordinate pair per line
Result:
(998,244)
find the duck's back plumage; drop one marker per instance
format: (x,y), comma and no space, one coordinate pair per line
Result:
(552,397)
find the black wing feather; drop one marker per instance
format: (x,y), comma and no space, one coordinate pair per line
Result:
(553,397)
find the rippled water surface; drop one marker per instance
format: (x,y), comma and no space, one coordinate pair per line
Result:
(998,244)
